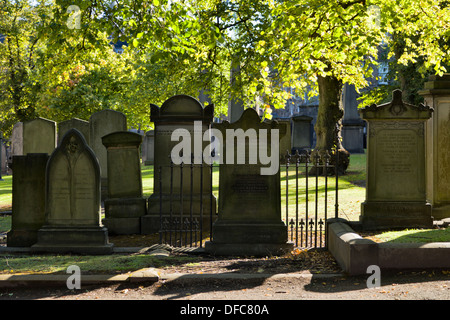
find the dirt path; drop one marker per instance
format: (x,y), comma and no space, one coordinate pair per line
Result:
(394,286)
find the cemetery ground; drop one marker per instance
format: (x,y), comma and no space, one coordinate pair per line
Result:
(300,274)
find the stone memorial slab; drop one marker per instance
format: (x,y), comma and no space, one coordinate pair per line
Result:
(179,112)
(396,188)
(437,96)
(4,157)
(28,199)
(149,148)
(301,133)
(102,123)
(249,214)
(16,140)
(125,204)
(352,124)
(39,136)
(72,217)
(75,123)
(285,142)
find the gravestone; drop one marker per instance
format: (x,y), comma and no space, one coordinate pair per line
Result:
(72,215)
(16,140)
(75,123)
(437,96)
(125,204)
(102,123)
(28,199)
(352,124)
(235,104)
(395,186)
(39,136)
(301,133)
(149,148)
(178,112)
(249,214)
(285,141)
(4,157)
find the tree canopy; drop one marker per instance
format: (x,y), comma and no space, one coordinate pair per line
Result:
(52,69)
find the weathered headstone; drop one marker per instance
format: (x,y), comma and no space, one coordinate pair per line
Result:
(149,148)
(437,96)
(249,214)
(285,141)
(352,124)
(75,123)
(396,187)
(125,204)
(301,133)
(72,217)
(235,105)
(28,199)
(39,136)
(102,123)
(16,140)
(178,112)
(4,157)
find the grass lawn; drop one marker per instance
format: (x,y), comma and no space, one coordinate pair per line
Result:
(412,236)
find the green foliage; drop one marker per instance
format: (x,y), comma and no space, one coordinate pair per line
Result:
(49,69)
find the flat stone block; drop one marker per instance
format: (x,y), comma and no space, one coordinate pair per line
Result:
(125,207)
(122,225)
(392,215)
(226,232)
(21,238)
(89,240)
(247,249)
(441,212)
(152,223)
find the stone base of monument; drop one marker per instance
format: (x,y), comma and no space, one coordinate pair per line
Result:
(151,223)
(441,212)
(78,240)
(21,238)
(395,215)
(117,226)
(250,239)
(123,216)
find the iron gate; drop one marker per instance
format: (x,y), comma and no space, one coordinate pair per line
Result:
(315,178)
(310,195)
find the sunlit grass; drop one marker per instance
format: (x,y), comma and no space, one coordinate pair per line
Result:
(413,236)
(6,193)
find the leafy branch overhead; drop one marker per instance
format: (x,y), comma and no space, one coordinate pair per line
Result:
(187,46)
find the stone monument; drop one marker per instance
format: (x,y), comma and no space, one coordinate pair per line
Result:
(396,186)
(149,148)
(75,123)
(102,123)
(178,112)
(352,124)
(39,136)
(437,96)
(28,199)
(125,204)
(249,214)
(301,133)
(72,215)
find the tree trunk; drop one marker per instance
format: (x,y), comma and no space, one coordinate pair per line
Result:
(329,123)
